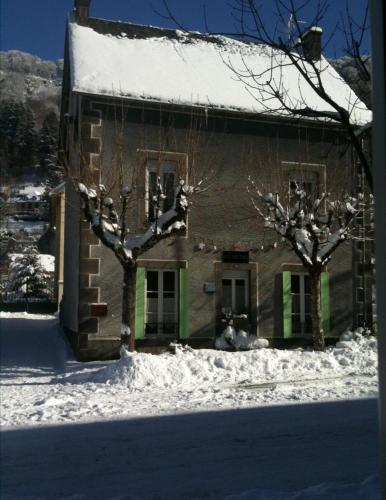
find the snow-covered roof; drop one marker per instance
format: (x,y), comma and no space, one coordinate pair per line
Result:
(28,192)
(194,70)
(59,188)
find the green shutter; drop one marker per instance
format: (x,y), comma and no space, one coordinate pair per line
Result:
(287,305)
(140,304)
(184,304)
(325,302)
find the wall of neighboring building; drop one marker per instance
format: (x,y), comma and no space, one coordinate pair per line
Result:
(225,153)
(70,298)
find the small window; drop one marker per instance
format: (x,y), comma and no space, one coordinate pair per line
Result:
(165,171)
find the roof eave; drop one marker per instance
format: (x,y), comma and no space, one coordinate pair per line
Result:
(215,111)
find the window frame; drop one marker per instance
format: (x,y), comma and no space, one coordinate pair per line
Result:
(160,168)
(302,312)
(160,302)
(232,276)
(145,156)
(292,169)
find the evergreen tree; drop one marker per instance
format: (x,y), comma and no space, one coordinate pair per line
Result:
(18,138)
(27,277)
(48,148)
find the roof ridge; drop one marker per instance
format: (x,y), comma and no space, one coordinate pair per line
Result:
(137,30)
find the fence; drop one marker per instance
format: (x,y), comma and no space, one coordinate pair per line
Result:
(18,301)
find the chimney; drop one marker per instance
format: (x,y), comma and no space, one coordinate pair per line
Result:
(82,9)
(311,42)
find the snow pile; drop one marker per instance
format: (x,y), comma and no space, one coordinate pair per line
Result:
(189,369)
(42,383)
(188,70)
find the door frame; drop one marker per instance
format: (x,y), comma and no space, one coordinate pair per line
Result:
(252,269)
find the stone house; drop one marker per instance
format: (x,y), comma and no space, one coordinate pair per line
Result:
(143,102)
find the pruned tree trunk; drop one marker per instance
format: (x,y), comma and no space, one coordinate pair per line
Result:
(316,312)
(128,306)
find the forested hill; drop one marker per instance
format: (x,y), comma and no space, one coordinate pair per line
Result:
(355,77)
(27,78)
(30,91)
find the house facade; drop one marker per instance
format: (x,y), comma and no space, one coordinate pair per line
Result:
(141,103)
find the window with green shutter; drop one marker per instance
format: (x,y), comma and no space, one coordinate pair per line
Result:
(297,304)
(140,304)
(325,302)
(161,309)
(184,304)
(287,305)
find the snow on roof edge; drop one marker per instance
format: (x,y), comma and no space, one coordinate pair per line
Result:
(257,114)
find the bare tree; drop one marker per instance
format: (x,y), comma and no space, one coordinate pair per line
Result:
(287,47)
(314,227)
(272,87)
(111,229)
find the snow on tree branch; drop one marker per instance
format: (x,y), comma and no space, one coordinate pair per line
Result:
(314,227)
(111,229)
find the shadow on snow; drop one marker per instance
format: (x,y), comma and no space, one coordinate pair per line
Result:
(197,455)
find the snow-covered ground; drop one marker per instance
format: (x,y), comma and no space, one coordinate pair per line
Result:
(42,383)
(166,427)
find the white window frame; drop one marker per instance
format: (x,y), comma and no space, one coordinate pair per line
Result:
(295,170)
(160,167)
(311,177)
(233,276)
(301,302)
(160,291)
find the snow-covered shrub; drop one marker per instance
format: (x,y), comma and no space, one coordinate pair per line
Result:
(241,340)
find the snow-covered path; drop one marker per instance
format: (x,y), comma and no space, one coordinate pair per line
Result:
(30,346)
(121,430)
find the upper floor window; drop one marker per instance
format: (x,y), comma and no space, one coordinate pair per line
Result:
(166,172)
(308,177)
(305,181)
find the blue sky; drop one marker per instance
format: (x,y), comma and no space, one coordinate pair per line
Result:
(37,26)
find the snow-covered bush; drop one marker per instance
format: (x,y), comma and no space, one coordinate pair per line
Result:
(240,341)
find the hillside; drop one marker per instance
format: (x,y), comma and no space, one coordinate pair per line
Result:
(35,82)
(346,67)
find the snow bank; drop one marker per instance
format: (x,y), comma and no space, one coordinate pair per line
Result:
(190,369)
(207,73)
(41,382)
